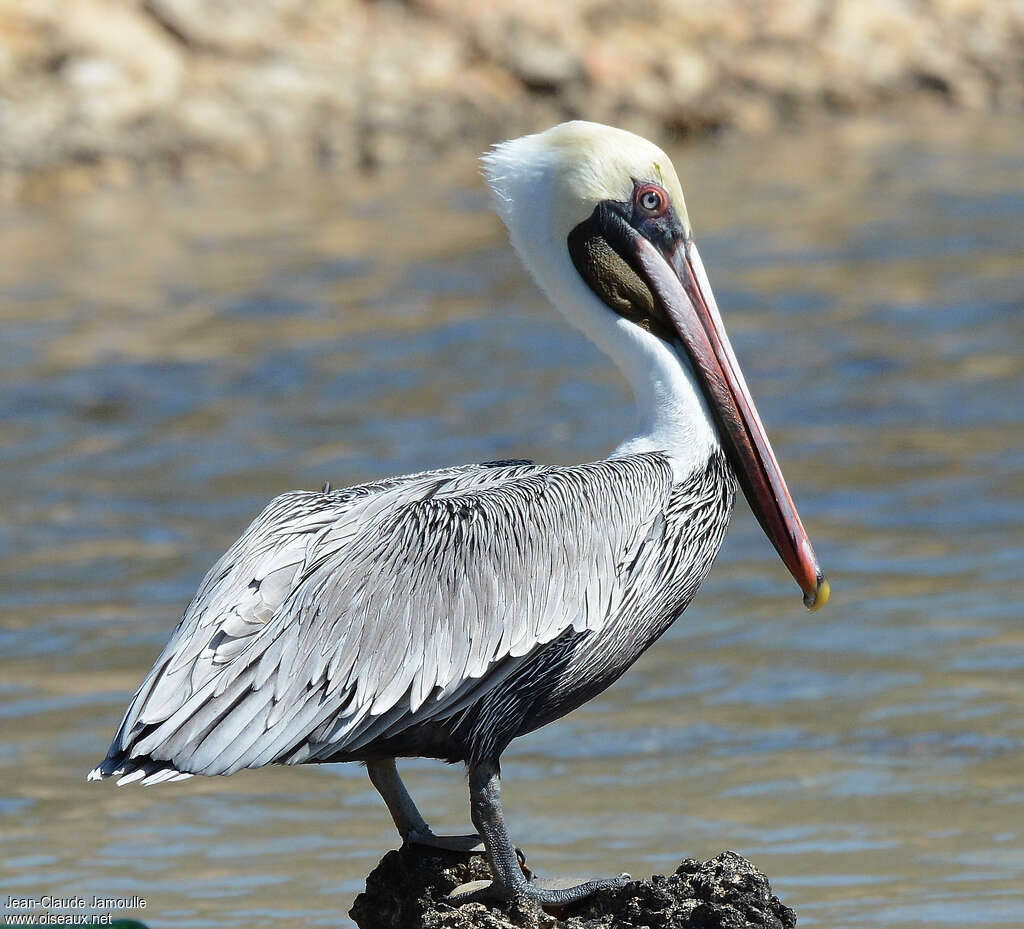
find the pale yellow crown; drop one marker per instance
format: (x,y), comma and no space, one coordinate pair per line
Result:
(568,169)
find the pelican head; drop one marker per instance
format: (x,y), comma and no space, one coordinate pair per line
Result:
(598,217)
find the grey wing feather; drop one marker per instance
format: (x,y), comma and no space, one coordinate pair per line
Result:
(340,617)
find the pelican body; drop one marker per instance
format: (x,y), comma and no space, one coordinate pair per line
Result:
(445,613)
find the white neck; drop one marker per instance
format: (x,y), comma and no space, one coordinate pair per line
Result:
(542,190)
(671,414)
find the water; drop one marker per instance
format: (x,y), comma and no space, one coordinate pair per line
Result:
(172,358)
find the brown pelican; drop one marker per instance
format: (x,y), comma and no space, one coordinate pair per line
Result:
(442,614)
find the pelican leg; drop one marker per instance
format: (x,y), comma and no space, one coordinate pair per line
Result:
(511,879)
(411,825)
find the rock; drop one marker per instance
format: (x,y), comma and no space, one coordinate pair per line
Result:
(118,65)
(408,887)
(240,26)
(544,59)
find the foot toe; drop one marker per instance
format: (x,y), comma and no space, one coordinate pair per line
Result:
(451,843)
(521,857)
(560,891)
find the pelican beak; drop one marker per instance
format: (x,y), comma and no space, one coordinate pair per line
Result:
(650,272)
(679,283)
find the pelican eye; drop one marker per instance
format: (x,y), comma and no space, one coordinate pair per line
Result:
(652,200)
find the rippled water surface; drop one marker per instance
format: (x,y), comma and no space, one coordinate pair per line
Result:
(173,358)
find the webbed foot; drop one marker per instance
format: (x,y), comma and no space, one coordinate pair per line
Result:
(470,844)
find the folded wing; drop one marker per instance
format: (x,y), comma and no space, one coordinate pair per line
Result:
(340,618)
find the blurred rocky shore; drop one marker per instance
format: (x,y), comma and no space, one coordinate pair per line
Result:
(114,88)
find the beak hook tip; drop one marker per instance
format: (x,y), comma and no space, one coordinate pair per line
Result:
(814,600)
